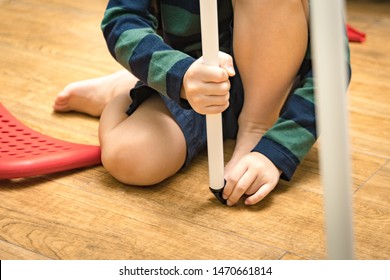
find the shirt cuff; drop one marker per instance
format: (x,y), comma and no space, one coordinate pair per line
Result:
(280,156)
(175,81)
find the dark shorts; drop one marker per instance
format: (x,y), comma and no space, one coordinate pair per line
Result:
(192,124)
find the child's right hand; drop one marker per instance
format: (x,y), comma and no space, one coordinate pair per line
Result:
(207,87)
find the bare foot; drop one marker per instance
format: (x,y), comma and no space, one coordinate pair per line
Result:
(91,96)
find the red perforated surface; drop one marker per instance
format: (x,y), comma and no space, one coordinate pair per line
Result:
(25,152)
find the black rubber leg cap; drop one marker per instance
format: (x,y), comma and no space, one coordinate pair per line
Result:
(218,195)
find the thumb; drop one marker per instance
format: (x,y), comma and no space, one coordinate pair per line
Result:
(226,62)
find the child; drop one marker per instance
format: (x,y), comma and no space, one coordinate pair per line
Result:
(264,89)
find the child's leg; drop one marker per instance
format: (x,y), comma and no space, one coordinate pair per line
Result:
(143,148)
(91,96)
(270,40)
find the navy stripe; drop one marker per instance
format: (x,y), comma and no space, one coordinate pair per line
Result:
(309,74)
(349,73)
(302,112)
(279,155)
(182,42)
(111,37)
(306,68)
(174,81)
(190,6)
(139,61)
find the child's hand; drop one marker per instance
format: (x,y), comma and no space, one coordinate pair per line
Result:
(254,175)
(207,87)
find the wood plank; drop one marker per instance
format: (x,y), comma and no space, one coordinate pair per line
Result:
(11,252)
(292,257)
(282,221)
(78,224)
(86,214)
(369,90)
(307,176)
(372,217)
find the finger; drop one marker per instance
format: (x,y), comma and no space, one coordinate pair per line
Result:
(232,179)
(220,99)
(198,90)
(226,62)
(205,104)
(210,104)
(211,109)
(217,89)
(259,195)
(212,74)
(246,180)
(255,186)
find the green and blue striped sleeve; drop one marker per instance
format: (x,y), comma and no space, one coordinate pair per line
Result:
(129,29)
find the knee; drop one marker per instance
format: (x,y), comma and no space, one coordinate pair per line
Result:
(116,163)
(130,164)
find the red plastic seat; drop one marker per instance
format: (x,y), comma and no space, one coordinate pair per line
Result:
(25,152)
(355,35)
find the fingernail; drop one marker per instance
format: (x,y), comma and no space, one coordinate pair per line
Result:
(231,70)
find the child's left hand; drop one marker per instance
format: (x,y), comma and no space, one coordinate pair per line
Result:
(254,175)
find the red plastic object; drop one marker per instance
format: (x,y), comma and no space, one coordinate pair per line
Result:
(355,35)
(25,152)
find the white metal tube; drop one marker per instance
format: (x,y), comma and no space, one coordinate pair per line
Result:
(210,47)
(330,70)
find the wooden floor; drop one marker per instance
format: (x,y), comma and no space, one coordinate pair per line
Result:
(85,214)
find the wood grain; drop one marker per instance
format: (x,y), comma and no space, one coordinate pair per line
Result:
(86,214)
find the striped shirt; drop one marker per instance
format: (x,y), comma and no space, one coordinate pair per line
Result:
(158,40)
